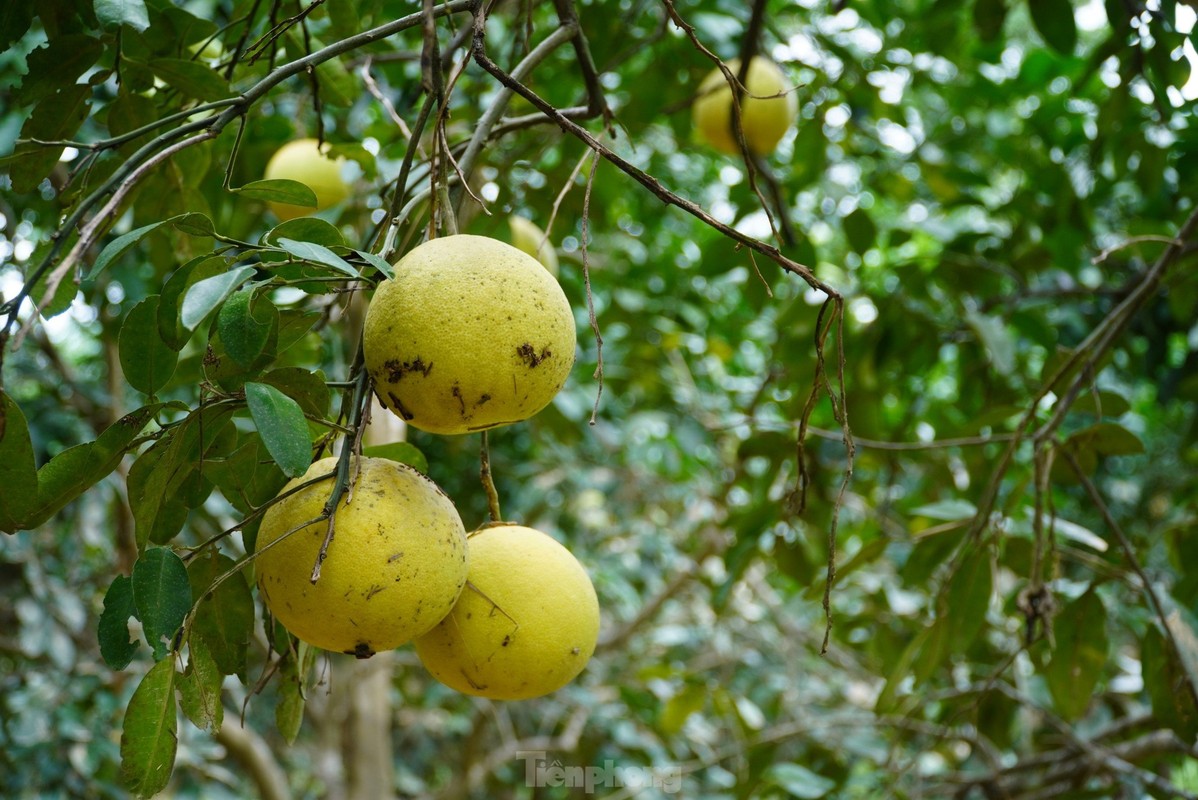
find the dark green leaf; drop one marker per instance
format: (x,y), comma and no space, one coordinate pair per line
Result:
(71,472)
(241,330)
(966,600)
(148,738)
(1169,690)
(224,618)
(305,229)
(56,117)
(204,296)
(289,713)
(147,362)
(15,19)
(279,190)
(114,13)
(170,326)
(1055,22)
(307,388)
(378,262)
(119,246)
(191,78)
(199,688)
(162,596)
(58,63)
(319,254)
(282,426)
(403,452)
(18,472)
(116,648)
(194,224)
(1079,655)
(988,18)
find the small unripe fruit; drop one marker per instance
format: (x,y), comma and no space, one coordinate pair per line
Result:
(766,113)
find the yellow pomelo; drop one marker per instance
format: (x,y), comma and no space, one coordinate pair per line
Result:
(471,333)
(525,625)
(394,569)
(531,239)
(765,118)
(303,160)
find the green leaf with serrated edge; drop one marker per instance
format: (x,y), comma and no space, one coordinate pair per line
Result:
(194,224)
(59,62)
(191,78)
(199,688)
(305,229)
(146,361)
(73,471)
(203,297)
(282,426)
(114,13)
(403,452)
(162,596)
(243,335)
(1054,21)
(158,474)
(119,246)
(148,737)
(18,472)
(307,388)
(170,327)
(116,648)
(319,254)
(1079,655)
(224,617)
(966,600)
(378,262)
(279,190)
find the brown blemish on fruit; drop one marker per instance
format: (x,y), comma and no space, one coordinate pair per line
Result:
(398,406)
(372,591)
(396,369)
(361,650)
(456,391)
(528,354)
(482,400)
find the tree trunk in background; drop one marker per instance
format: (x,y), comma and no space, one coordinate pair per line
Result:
(366,731)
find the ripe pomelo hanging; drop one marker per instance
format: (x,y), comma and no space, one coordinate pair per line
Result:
(470,334)
(305,161)
(765,114)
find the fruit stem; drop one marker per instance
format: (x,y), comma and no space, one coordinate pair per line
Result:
(488,482)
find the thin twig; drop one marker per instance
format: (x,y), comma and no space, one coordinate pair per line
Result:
(488,480)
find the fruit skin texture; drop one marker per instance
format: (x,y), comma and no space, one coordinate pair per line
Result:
(764,117)
(471,333)
(395,567)
(302,160)
(531,239)
(525,625)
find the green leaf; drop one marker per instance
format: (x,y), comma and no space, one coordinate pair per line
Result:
(860,230)
(1079,656)
(114,13)
(224,618)
(170,326)
(56,117)
(241,330)
(18,472)
(966,600)
(119,246)
(204,296)
(279,190)
(147,361)
(116,648)
(798,781)
(319,254)
(378,262)
(162,596)
(996,338)
(191,78)
(282,426)
(73,471)
(305,229)
(946,510)
(1169,690)
(15,19)
(199,688)
(1055,22)
(402,452)
(307,388)
(674,713)
(148,738)
(193,224)
(289,713)
(58,63)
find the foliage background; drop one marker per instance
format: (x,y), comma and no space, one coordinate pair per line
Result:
(985,183)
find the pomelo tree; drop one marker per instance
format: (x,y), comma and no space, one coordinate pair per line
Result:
(878,448)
